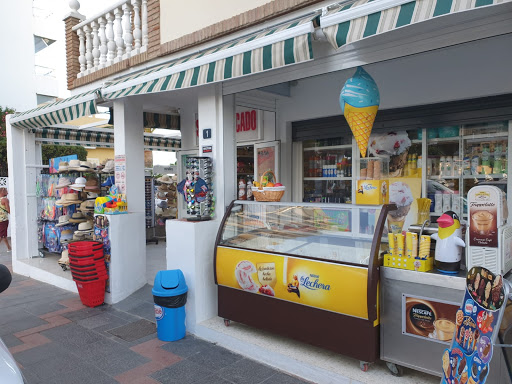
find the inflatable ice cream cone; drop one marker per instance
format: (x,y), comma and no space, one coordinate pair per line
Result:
(361,121)
(359,102)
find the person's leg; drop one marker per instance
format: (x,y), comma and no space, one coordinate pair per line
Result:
(7,243)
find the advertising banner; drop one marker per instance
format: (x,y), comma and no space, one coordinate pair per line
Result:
(476,322)
(427,318)
(307,282)
(54,163)
(266,159)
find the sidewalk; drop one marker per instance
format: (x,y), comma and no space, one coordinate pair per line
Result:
(55,339)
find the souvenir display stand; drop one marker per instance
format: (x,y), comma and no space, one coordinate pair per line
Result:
(288,267)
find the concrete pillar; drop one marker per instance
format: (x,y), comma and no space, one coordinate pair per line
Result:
(129,141)
(30,183)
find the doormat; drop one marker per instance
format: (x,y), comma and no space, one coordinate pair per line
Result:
(134,331)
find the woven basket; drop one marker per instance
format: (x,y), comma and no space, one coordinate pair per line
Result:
(268,193)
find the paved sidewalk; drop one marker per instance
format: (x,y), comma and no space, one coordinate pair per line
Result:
(55,339)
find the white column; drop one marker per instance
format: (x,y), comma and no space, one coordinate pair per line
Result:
(145,37)
(95,44)
(111,44)
(127,29)
(127,232)
(88,48)
(81,58)
(103,42)
(30,188)
(129,134)
(118,29)
(17,193)
(137,34)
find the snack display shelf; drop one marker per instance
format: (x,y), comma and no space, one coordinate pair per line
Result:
(341,146)
(436,140)
(327,178)
(298,260)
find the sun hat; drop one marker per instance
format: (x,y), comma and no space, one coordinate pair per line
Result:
(74,165)
(84,227)
(161,195)
(87,206)
(163,188)
(85,166)
(79,183)
(165,179)
(92,185)
(92,195)
(68,199)
(66,236)
(63,166)
(109,167)
(63,220)
(77,217)
(63,182)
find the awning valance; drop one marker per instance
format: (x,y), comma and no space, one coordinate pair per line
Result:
(62,136)
(58,112)
(162,121)
(364,18)
(278,47)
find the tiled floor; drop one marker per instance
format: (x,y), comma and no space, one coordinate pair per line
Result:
(55,339)
(155,260)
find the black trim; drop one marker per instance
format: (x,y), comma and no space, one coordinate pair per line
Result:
(472,111)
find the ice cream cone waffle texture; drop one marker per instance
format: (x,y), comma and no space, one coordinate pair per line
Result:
(361,121)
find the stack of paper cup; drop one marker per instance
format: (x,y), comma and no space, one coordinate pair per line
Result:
(424,247)
(411,244)
(399,244)
(392,245)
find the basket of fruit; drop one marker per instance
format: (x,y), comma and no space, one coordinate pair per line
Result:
(268,189)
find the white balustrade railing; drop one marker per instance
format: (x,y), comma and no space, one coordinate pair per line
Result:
(116,34)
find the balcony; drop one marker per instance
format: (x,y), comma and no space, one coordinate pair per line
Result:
(118,33)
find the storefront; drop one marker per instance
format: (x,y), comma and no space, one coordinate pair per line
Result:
(438,88)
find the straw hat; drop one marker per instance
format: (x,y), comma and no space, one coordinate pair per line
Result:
(163,188)
(87,206)
(68,199)
(63,166)
(92,185)
(109,167)
(85,166)
(74,165)
(165,179)
(84,227)
(77,217)
(63,182)
(92,195)
(63,220)
(79,183)
(66,236)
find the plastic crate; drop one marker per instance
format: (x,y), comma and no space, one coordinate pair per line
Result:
(92,293)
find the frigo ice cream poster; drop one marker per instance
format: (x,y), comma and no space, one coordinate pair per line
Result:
(307,282)
(359,102)
(403,192)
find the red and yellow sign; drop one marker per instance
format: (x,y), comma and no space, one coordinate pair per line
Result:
(332,287)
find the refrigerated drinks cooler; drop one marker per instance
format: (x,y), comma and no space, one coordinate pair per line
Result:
(305,271)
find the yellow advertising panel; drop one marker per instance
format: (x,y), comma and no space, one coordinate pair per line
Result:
(332,287)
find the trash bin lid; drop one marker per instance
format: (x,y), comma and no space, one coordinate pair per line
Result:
(169,283)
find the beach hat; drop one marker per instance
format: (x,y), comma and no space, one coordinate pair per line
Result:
(63,220)
(165,179)
(92,195)
(161,195)
(109,167)
(63,182)
(163,188)
(68,199)
(78,236)
(85,166)
(66,236)
(74,165)
(92,185)
(84,227)
(63,166)
(79,183)
(77,217)
(87,206)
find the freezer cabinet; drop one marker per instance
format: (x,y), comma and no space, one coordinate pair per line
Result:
(305,271)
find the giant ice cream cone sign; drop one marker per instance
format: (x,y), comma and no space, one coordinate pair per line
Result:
(359,102)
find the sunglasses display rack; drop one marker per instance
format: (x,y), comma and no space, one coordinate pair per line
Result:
(149,191)
(198,189)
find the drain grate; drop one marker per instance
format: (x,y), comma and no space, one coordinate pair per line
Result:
(134,331)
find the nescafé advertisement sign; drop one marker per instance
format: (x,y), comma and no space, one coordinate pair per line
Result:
(429,319)
(307,282)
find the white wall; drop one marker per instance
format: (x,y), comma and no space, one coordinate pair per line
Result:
(17,55)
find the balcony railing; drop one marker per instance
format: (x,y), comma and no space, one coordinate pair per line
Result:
(112,36)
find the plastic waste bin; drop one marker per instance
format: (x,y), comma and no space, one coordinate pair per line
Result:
(170,296)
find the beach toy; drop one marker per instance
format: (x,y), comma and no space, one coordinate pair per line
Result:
(359,102)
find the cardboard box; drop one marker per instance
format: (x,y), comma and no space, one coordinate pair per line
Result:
(410,264)
(372,192)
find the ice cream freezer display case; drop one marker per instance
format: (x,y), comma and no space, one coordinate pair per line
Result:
(288,267)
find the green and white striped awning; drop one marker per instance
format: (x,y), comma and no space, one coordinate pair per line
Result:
(162,121)
(61,136)
(360,19)
(58,112)
(275,48)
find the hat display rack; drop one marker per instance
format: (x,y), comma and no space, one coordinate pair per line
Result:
(165,198)
(66,204)
(197,188)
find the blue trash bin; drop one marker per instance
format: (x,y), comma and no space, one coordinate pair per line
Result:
(170,296)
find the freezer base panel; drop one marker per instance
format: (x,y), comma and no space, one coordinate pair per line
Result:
(347,335)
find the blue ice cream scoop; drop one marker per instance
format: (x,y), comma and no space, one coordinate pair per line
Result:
(360,91)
